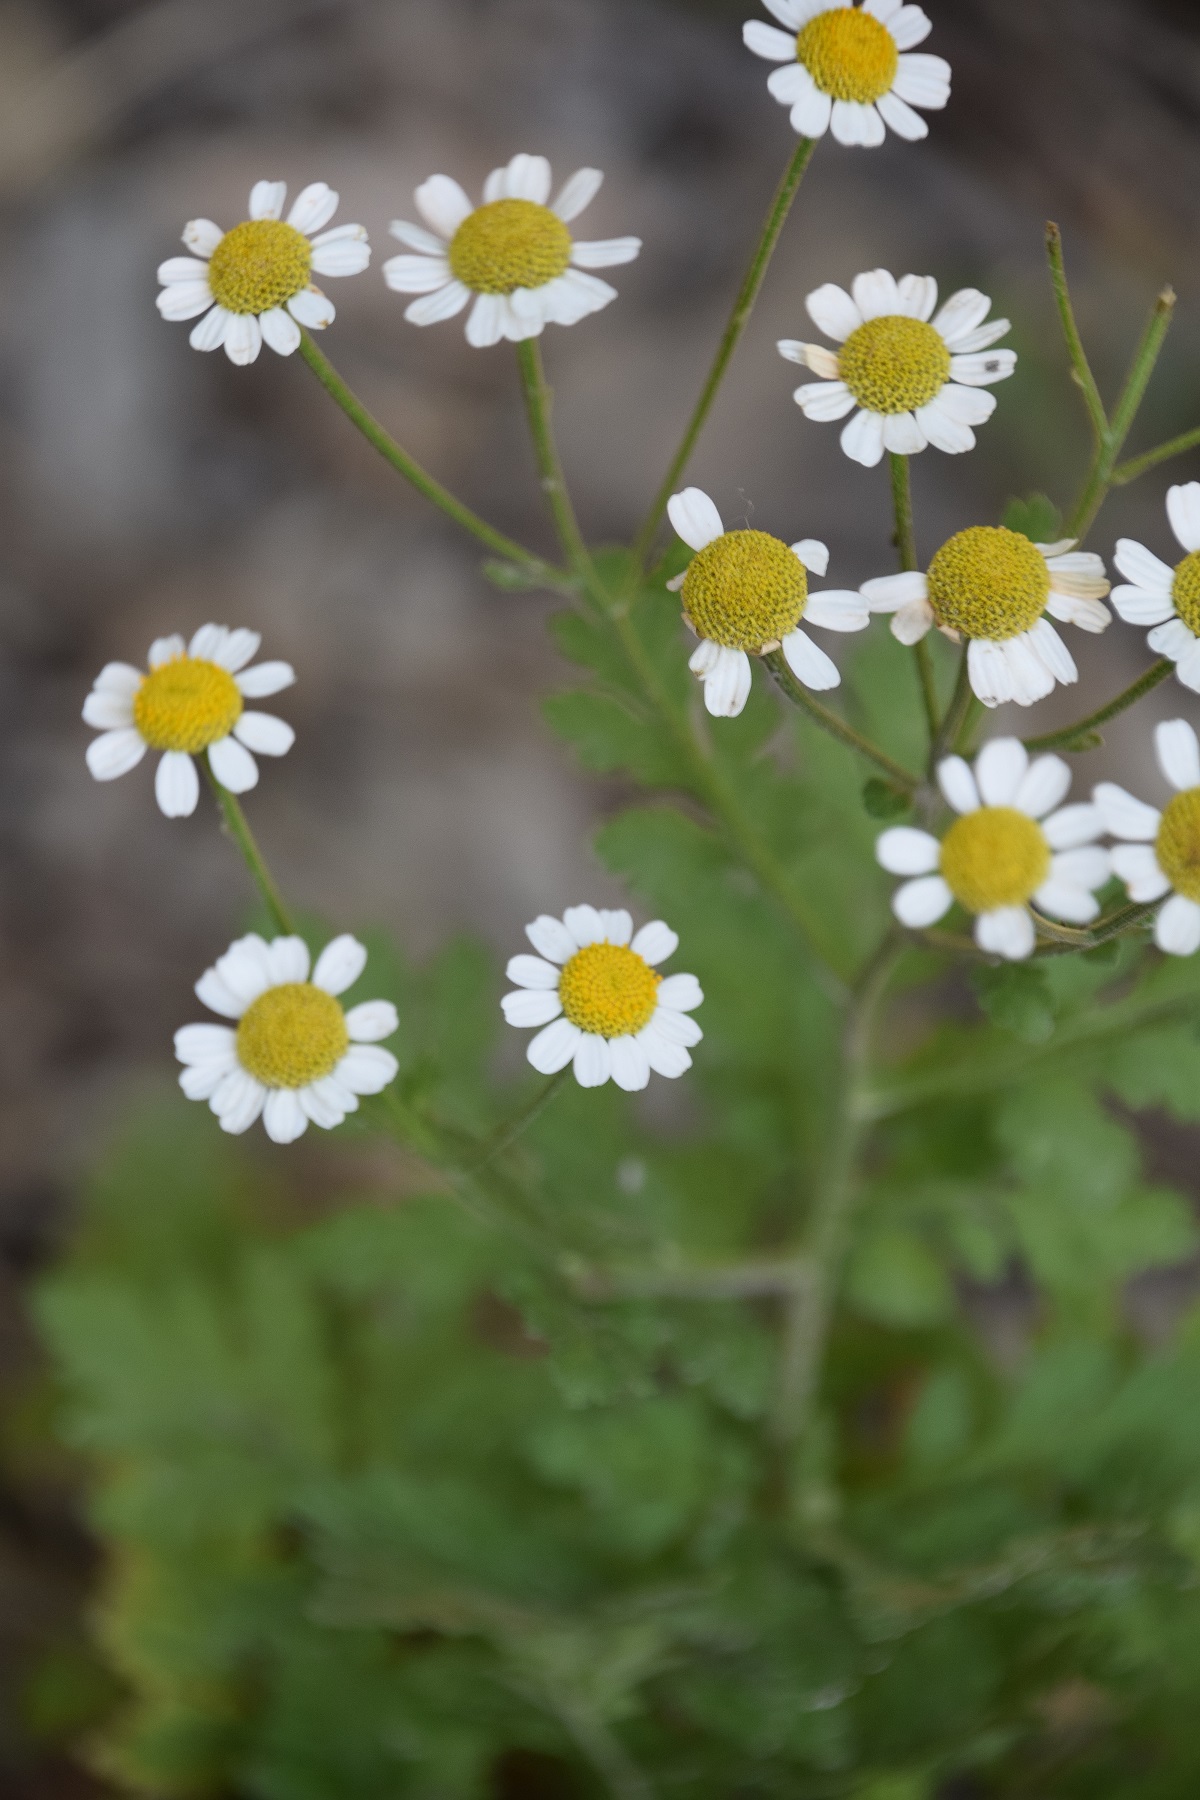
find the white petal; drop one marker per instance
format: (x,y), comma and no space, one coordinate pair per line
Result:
(245,968)
(283,1116)
(1172,639)
(200,1081)
(572,297)
(176,785)
(264,733)
(236,648)
(165,650)
(367,1069)
(923,81)
(243,339)
(663,1053)
(1178,752)
(903,435)
(773,46)
(209,334)
(811,114)
(833,311)
(202,237)
(1137,866)
(205,1043)
(551,939)
(905,851)
(1183,510)
(118,678)
(704,657)
(618,925)
(791,84)
(881,9)
(875,294)
(485,326)
(963,405)
(695,518)
(288,960)
(887,593)
(727,684)
(676,1027)
(824,401)
(922,902)
(1073,825)
(1068,901)
(593,1060)
(183,268)
(233,766)
(958,786)
(983,367)
(335,1092)
(585,925)
(578,193)
(809,663)
(605,253)
(183,300)
(909,27)
(238,1101)
(528,178)
(816,357)
(265,678)
(813,554)
(918,294)
(1071,609)
(982,338)
(442,204)
(209,642)
(1087,867)
(314,207)
(416,274)
(944,431)
(912,622)
(1126,817)
(106,710)
(1080,573)
(630,1064)
(267,198)
(312,308)
(991,676)
(862,439)
(962,314)
(1137,607)
(552,1049)
(1007,932)
(340,964)
(1000,769)
(447,303)
(373,1020)
(1177,928)
(837,610)
(655,942)
(320,1105)
(280,331)
(853,123)
(533,972)
(525,1008)
(216,995)
(1143,568)
(682,993)
(417,238)
(1043,787)
(1051,652)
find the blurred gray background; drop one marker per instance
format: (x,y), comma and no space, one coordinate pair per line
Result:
(145,488)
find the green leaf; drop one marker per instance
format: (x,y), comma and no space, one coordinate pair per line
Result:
(895,1277)
(883,800)
(1036,517)
(1017,998)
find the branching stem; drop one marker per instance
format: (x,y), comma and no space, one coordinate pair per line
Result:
(1073,737)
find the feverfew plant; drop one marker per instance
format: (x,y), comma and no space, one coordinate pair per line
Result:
(592,1448)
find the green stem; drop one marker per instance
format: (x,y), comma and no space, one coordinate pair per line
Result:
(809,1309)
(1070,735)
(742,307)
(506,1135)
(412,471)
(1079,362)
(906,546)
(835,726)
(769,1278)
(1119,924)
(237,825)
(539,403)
(1129,471)
(1100,476)
(958,712)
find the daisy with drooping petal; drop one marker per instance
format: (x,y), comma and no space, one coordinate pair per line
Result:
(744,594)
(191,702)
(601,1000)
(514,254)
(1013,845)
(1160,851)
(294,1053)
(994,587)
(1168,599)
(916,379)
(254,284)
(848,69)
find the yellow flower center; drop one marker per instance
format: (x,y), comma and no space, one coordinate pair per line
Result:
(186,704)
(989,582)
(1185,591)
(510,244)
(744,590)
(259,264)
(849,54)
(894,364)
(994,857)
(1177,846)
(609,990)
(292,1035)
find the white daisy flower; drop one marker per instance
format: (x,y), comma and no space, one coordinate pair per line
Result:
(1168,599)
(514,254)
(848,69)
(192,701)
(1014,844)
(1160,851)
(603,1005)
(294,1054)
(254,284)
(994,587)
(916,379)
(744,594)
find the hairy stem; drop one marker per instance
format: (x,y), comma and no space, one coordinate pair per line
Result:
(837,727)
(1100,476)
(954,725)
(1081,368)
(906,547)
(1070,735)
(405,465)
(238,828)
(1129,471)
(539,403)
(743,306)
